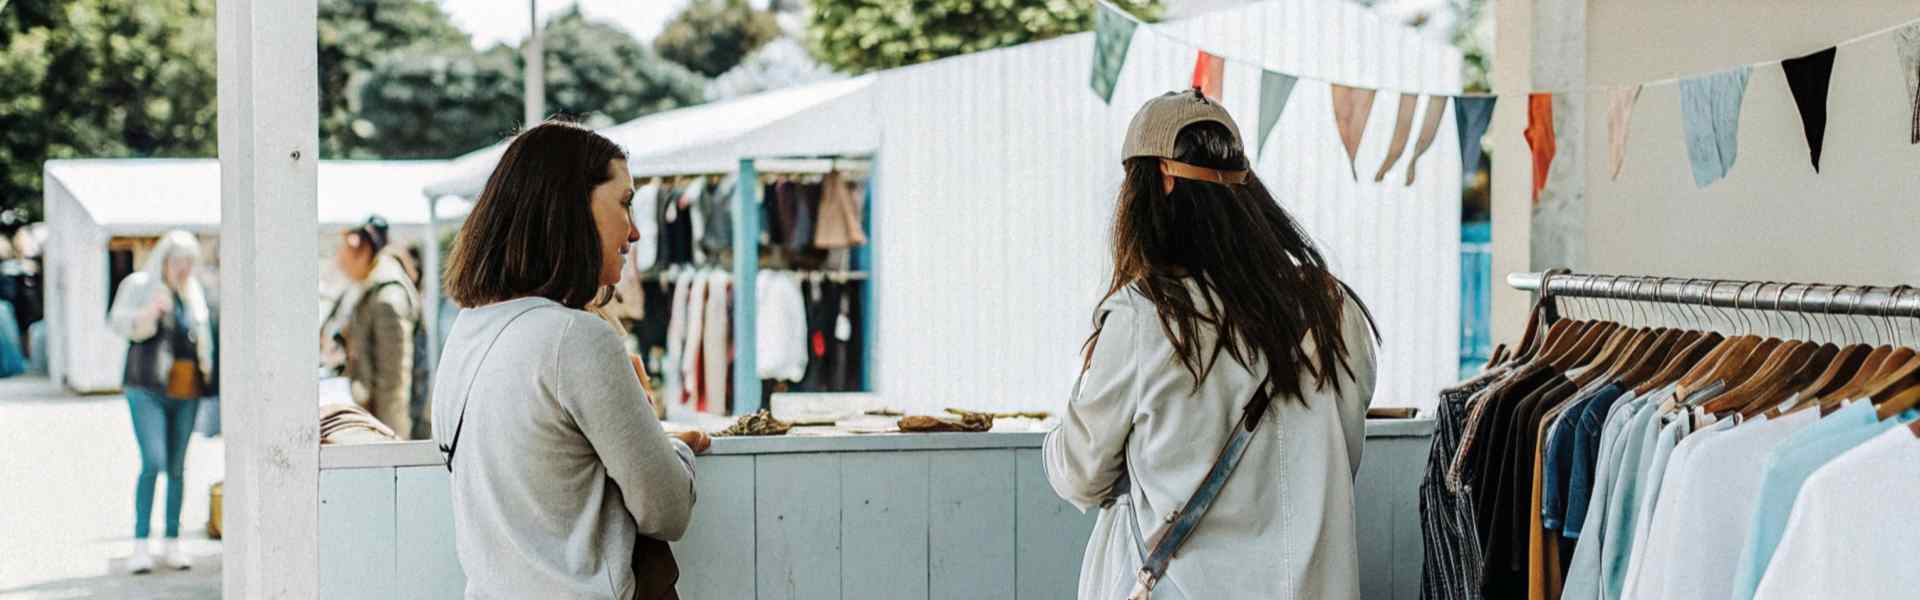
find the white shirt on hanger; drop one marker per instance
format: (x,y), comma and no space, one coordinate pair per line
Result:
(1853,530)
(781,327)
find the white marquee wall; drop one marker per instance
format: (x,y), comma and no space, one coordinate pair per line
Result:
(997,170)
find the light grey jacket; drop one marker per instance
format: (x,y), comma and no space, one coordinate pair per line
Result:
(560,464)
(1282,527)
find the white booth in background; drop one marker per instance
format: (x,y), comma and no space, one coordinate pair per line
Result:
(97,206)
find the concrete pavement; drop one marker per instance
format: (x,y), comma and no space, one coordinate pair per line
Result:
(67,467)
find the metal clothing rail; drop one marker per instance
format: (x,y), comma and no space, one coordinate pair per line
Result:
(1811,298)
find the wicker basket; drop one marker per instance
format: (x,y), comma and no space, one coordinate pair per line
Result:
(213,509)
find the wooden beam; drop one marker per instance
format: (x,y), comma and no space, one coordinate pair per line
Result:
(269,144)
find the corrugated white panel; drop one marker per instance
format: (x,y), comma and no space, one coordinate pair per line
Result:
(997,173)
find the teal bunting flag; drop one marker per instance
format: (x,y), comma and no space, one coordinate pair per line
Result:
(1275,88)
(1112,35)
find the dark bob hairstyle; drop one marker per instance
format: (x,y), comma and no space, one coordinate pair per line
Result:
(532,233)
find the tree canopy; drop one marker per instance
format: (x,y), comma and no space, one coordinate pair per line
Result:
(713,36)
(858,36)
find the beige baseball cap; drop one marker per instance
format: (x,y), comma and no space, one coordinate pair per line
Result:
(1160,121)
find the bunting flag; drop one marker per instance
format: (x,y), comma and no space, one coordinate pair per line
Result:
(1429,129)
(1208,72)
(1808,77)
(1619,117)
(1907,40)
(1710,108)
(1275,88)
(1471,116)
(1402,129)
(1539,136)
(1351,106)
(1113,34)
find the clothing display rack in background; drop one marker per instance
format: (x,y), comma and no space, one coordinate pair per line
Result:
(805,241)
(1659,437)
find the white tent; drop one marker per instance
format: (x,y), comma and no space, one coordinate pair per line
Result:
(90,202)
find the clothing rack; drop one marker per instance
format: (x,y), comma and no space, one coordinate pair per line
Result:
(833,276)
(1812,298)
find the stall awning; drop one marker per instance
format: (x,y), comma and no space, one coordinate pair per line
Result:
(833,118)
(156,194)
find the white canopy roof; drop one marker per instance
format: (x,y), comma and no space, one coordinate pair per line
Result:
(823,119)
(151,194)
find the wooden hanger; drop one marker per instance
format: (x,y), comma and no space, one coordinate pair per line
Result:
(1899,392)
(1698,349)
(1808,362)
(1588,346)
(1770,370)
(1662,351)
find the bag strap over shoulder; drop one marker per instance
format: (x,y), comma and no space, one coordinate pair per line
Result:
(467,396)
(1158,551)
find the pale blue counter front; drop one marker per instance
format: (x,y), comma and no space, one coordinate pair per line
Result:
(896,517)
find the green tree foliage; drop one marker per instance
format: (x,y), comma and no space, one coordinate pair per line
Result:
(451,102)
(869,35)
(712,36)
(100,78)
(355,34)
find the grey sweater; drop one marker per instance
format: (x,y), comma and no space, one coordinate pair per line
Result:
(560,464)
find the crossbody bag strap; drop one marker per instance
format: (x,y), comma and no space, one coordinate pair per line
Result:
(467,397)
(1179,524)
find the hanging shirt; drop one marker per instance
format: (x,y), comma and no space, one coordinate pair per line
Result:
(1583,576)
(691,390)
(1787,468)
(1561,456)
(1852,533)
(1625,498)
(1586,453)
(1674,446)
(1702,528)
(717,347)
(781,327)
(646,218)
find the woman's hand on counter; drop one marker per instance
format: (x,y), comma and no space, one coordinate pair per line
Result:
(696,439)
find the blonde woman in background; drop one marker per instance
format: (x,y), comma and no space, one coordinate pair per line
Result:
(162,311)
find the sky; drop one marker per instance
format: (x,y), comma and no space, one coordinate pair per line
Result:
(496,21)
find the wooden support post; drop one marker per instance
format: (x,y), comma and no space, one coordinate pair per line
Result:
(746,271)
(269,145)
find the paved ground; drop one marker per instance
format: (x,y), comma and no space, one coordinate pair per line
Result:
(67,467)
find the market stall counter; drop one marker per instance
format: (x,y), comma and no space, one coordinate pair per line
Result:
(819,514)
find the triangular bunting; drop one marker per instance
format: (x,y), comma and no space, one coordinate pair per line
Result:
(1429,129)
(1208,75)
(1113,34)
(1710,108)
(1808,77)
(1540,140)
(1619,116)
(1402,129)
(1351,106)
(1907,40)
(1471,116)
(1275,88)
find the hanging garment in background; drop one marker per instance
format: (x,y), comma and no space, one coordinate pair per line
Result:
(692,392)
(1540,139)
(717,208)
(1808,77)
(1452,548)
(697,210)
(781,326)
(676,339)
(651,330)
(646,219)
(716,348)
(627,303)
(1351,108)
(839,225)
(773,225)
(1619,117)
(1429,130)
(1906,41)
(675,240)
(1851,533)
(1402,130)
(1710,109)
(804,206)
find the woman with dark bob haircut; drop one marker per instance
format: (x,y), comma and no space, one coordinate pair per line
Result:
(559,468)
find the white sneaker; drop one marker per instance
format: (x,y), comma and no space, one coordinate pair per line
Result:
(141,563)
(175,557)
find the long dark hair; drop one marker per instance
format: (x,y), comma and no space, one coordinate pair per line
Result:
(532,233)
(1264,286)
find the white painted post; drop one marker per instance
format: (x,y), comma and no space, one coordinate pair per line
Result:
(269,143)
(430,275)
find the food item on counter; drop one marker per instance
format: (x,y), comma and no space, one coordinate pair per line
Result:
(1035,415)
(959,420)
(756,424)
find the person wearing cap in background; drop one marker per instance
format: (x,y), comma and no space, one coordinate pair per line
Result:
(378,336)
(1220,314)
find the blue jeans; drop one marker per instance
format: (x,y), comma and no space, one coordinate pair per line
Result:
(162,426)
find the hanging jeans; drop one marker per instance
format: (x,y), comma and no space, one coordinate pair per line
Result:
(161,425)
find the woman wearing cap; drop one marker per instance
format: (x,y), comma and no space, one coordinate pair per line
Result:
(1221,316)
(379,334)
(162,311)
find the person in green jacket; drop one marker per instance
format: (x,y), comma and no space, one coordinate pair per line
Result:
(379,333)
